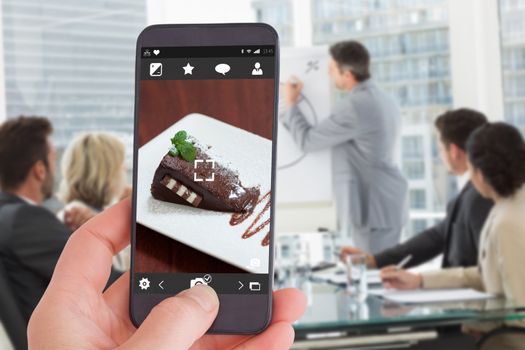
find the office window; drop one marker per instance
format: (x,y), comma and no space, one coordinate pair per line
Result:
(417,199)
(72,62)
(277,13)
(512,35)
(413,157)
(414,169)
(413,147)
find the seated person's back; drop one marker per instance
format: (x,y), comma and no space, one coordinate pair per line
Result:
(33,243)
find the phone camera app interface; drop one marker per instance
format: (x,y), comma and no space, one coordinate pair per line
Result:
(204,169)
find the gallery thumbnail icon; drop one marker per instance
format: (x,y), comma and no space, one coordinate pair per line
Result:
(155,69)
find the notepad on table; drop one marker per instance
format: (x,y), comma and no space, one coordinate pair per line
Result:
(431,295)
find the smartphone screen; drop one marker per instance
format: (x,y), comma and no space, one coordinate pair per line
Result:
(204,171)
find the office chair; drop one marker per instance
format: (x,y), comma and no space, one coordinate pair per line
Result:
(497,338)
(10,314)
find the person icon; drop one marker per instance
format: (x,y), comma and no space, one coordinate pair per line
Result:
(257,70)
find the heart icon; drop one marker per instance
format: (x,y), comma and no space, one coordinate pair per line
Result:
(156,52)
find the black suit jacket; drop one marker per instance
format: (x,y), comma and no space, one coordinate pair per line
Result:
(31,250)
(457,236)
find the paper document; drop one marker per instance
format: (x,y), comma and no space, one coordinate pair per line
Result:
(430,295)
(338,276)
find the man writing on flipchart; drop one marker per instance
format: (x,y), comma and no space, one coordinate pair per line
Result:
(362,131)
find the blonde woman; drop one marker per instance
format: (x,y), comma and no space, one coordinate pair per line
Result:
(93,177)
(93,170)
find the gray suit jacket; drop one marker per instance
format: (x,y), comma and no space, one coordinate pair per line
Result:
(362,131)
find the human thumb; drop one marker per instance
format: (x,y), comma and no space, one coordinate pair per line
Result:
(176,323)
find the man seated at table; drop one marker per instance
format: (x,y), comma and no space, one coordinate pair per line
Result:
(31,237)
(457,235)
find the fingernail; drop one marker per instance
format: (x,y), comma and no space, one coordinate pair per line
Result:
(205,296)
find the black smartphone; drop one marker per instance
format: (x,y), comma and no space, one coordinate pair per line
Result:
(204,169)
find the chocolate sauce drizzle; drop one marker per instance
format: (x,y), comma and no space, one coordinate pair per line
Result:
(238,218)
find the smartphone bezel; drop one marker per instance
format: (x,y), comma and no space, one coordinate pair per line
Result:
(232,34)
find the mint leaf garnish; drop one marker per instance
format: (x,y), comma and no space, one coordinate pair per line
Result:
(182,147)
(179,137)
(187,151)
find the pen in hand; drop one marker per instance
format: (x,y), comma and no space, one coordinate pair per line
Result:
(403,262)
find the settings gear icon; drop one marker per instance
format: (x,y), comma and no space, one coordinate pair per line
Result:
(144,283)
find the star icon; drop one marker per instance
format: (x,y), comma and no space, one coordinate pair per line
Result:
(188,69)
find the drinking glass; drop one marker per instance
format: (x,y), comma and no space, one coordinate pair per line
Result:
(356,273)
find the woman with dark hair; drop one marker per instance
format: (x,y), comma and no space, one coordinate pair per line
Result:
(496,154)
(496,161)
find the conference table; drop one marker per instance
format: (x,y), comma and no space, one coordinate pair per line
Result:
(334,320)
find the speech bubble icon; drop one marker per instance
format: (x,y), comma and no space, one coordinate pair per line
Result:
(222,68)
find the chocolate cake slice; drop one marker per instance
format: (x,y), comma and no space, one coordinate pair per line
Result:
(202,183)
